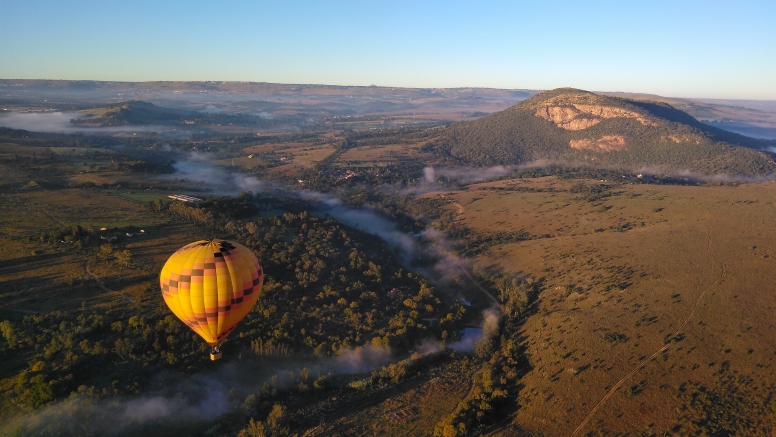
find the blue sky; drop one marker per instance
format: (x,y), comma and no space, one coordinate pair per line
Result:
(675,48)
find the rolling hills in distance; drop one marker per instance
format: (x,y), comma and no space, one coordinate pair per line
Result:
(563,126)
(341,107)
(139,113)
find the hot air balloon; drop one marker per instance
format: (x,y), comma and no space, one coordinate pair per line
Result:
(211,285)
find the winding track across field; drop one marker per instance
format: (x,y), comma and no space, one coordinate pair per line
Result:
(460,208)
(102,286)
(477,284)
(59,222)
(466,272)
(665,347)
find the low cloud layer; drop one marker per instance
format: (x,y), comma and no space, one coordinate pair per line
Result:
(183,401)
(429,244)
(700,177)
(59,122)
(367,220)
(469,175)
(198,169)
(192,398)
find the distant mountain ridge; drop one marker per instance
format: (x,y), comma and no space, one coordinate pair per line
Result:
(571,126)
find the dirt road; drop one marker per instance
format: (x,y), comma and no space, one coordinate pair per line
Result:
(665,347)
(102,286)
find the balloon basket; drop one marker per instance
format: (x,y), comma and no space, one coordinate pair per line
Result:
(215,354)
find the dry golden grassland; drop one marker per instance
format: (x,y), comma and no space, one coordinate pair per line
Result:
(36,276)
(301,156)
(79,157)
(40,277)
(693,267)
(104,177)
(12,176)
(391,154)
(386,154)
(79,151)
(242,163)
(298,156)
(68,169)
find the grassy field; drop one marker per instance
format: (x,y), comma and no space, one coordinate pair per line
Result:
(138,196)
(292,158)
(30,168)
(628,269)
(288,158)
(79,151)
(55,167)
(34,273)
(376,154)
(242,163)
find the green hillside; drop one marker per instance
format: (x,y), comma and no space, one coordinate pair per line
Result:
(571,126)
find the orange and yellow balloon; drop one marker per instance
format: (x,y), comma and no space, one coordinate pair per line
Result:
(211,285)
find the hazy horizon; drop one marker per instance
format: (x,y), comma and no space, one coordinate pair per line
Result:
(689,49)
(604,91)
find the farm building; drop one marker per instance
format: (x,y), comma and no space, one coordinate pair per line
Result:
(184,198)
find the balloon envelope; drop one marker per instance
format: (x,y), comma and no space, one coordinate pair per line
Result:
(211,285)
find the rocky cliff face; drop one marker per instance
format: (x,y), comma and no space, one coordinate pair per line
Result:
(607,143)
(588,111)
(580,116)
(567,117)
